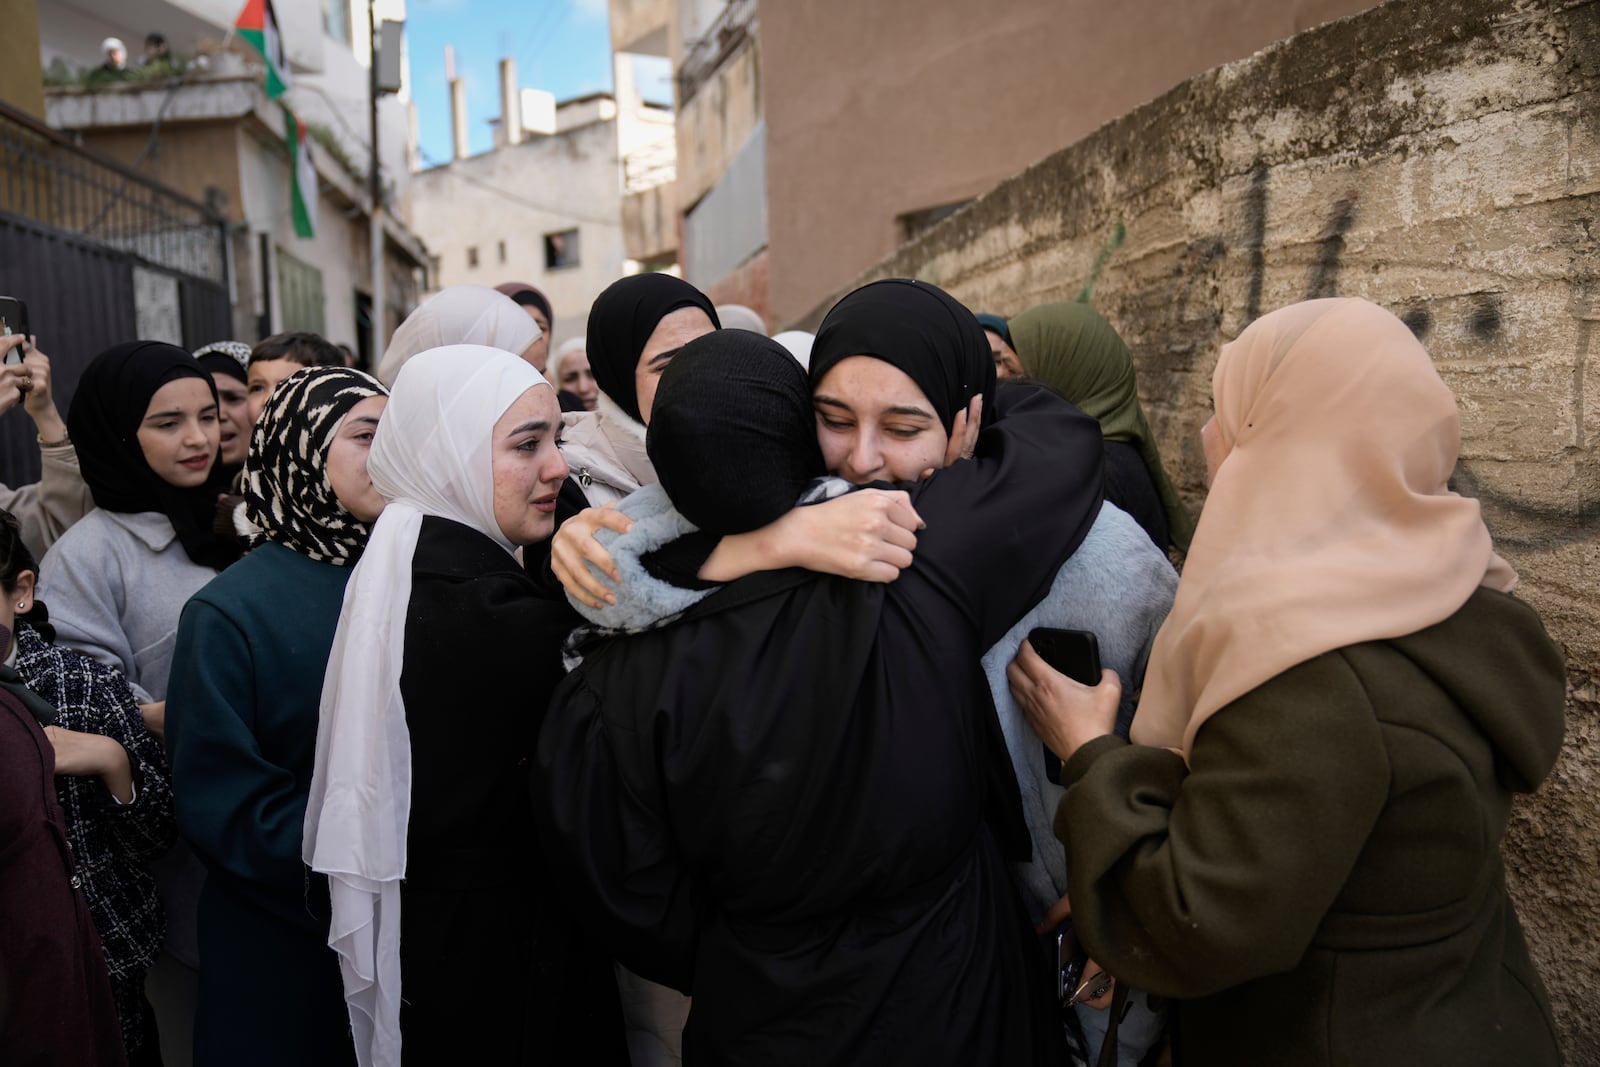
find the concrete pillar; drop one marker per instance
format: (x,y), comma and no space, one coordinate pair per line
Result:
(458,117)
(510,103)
(458,105)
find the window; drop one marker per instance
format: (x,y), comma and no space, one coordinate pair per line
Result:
(472,258)
(336,19)
(561,250)
(502,251)
(300,300)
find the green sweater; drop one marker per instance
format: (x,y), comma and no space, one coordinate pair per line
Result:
(1322,884)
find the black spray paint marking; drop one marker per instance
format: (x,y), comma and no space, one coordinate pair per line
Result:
(1419,321)
(1255,239)
(1325,278)
(1486,318)
(1118,235)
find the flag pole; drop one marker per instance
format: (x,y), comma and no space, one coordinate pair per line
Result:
(375,189)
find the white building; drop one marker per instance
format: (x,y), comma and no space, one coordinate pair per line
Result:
(545,208)
(214,136)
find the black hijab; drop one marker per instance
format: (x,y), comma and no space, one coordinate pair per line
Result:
(732,436)
(111,400)
(287,493)
(919,329)
(622,320)
(219,360)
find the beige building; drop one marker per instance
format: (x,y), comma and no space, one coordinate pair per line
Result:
(713,218)
(882,117)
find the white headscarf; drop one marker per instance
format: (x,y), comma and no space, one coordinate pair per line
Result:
(739,317)
(799,343)
(430,456)
(569,346)
(459,315)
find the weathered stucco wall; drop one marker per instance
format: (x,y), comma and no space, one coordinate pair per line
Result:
(1444,161)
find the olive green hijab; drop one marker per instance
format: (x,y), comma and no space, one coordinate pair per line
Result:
(1071,348)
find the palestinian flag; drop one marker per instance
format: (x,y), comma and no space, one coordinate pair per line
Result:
(258,25)
(303,185)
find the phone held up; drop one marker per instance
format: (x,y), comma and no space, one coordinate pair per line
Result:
(1076,654)
(14,319)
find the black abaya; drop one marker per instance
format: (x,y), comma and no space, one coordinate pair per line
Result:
(795,805)
(494,968)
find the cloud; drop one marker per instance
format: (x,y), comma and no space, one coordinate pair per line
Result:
(592,9)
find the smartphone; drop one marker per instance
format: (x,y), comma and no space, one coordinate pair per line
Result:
(1076,654)
(1071,957)
(14,319)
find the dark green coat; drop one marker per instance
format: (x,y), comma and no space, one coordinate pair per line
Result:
(1322,885)
(242,708)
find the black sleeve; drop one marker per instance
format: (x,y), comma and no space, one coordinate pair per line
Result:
(1000,525)
(603,825)
(678,562)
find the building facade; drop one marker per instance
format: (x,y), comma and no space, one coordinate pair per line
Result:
(883,118)
(544,206)
(212,134)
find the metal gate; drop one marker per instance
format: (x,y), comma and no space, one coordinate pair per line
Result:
(74,228)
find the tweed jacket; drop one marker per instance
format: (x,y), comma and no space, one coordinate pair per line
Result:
(111,842)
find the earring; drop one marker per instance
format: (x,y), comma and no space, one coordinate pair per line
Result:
(22,605)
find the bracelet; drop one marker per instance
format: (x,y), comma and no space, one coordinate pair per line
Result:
(66,439)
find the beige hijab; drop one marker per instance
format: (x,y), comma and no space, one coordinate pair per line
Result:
(1329,523)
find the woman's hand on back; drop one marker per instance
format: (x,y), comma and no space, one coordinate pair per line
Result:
(963,434)
(1064,714)
(574,544)
(868,535)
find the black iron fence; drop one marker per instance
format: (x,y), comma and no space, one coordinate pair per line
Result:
(47,179)
(77,231)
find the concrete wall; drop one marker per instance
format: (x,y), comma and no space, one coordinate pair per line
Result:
(517,195)
(880,109)
(1444,161)
(729,224)
(650,223)
(714,126)
(747,285)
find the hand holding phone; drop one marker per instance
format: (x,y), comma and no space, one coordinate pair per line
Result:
(1064,712)
(14,320)
(1076,654)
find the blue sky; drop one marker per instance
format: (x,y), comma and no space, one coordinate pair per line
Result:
(563,46)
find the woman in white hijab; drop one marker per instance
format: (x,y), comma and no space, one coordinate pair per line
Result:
(460,315)
(443,662)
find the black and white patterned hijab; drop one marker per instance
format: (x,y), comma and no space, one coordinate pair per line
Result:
(287,493)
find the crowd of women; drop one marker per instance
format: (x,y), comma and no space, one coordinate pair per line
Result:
(670,697)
